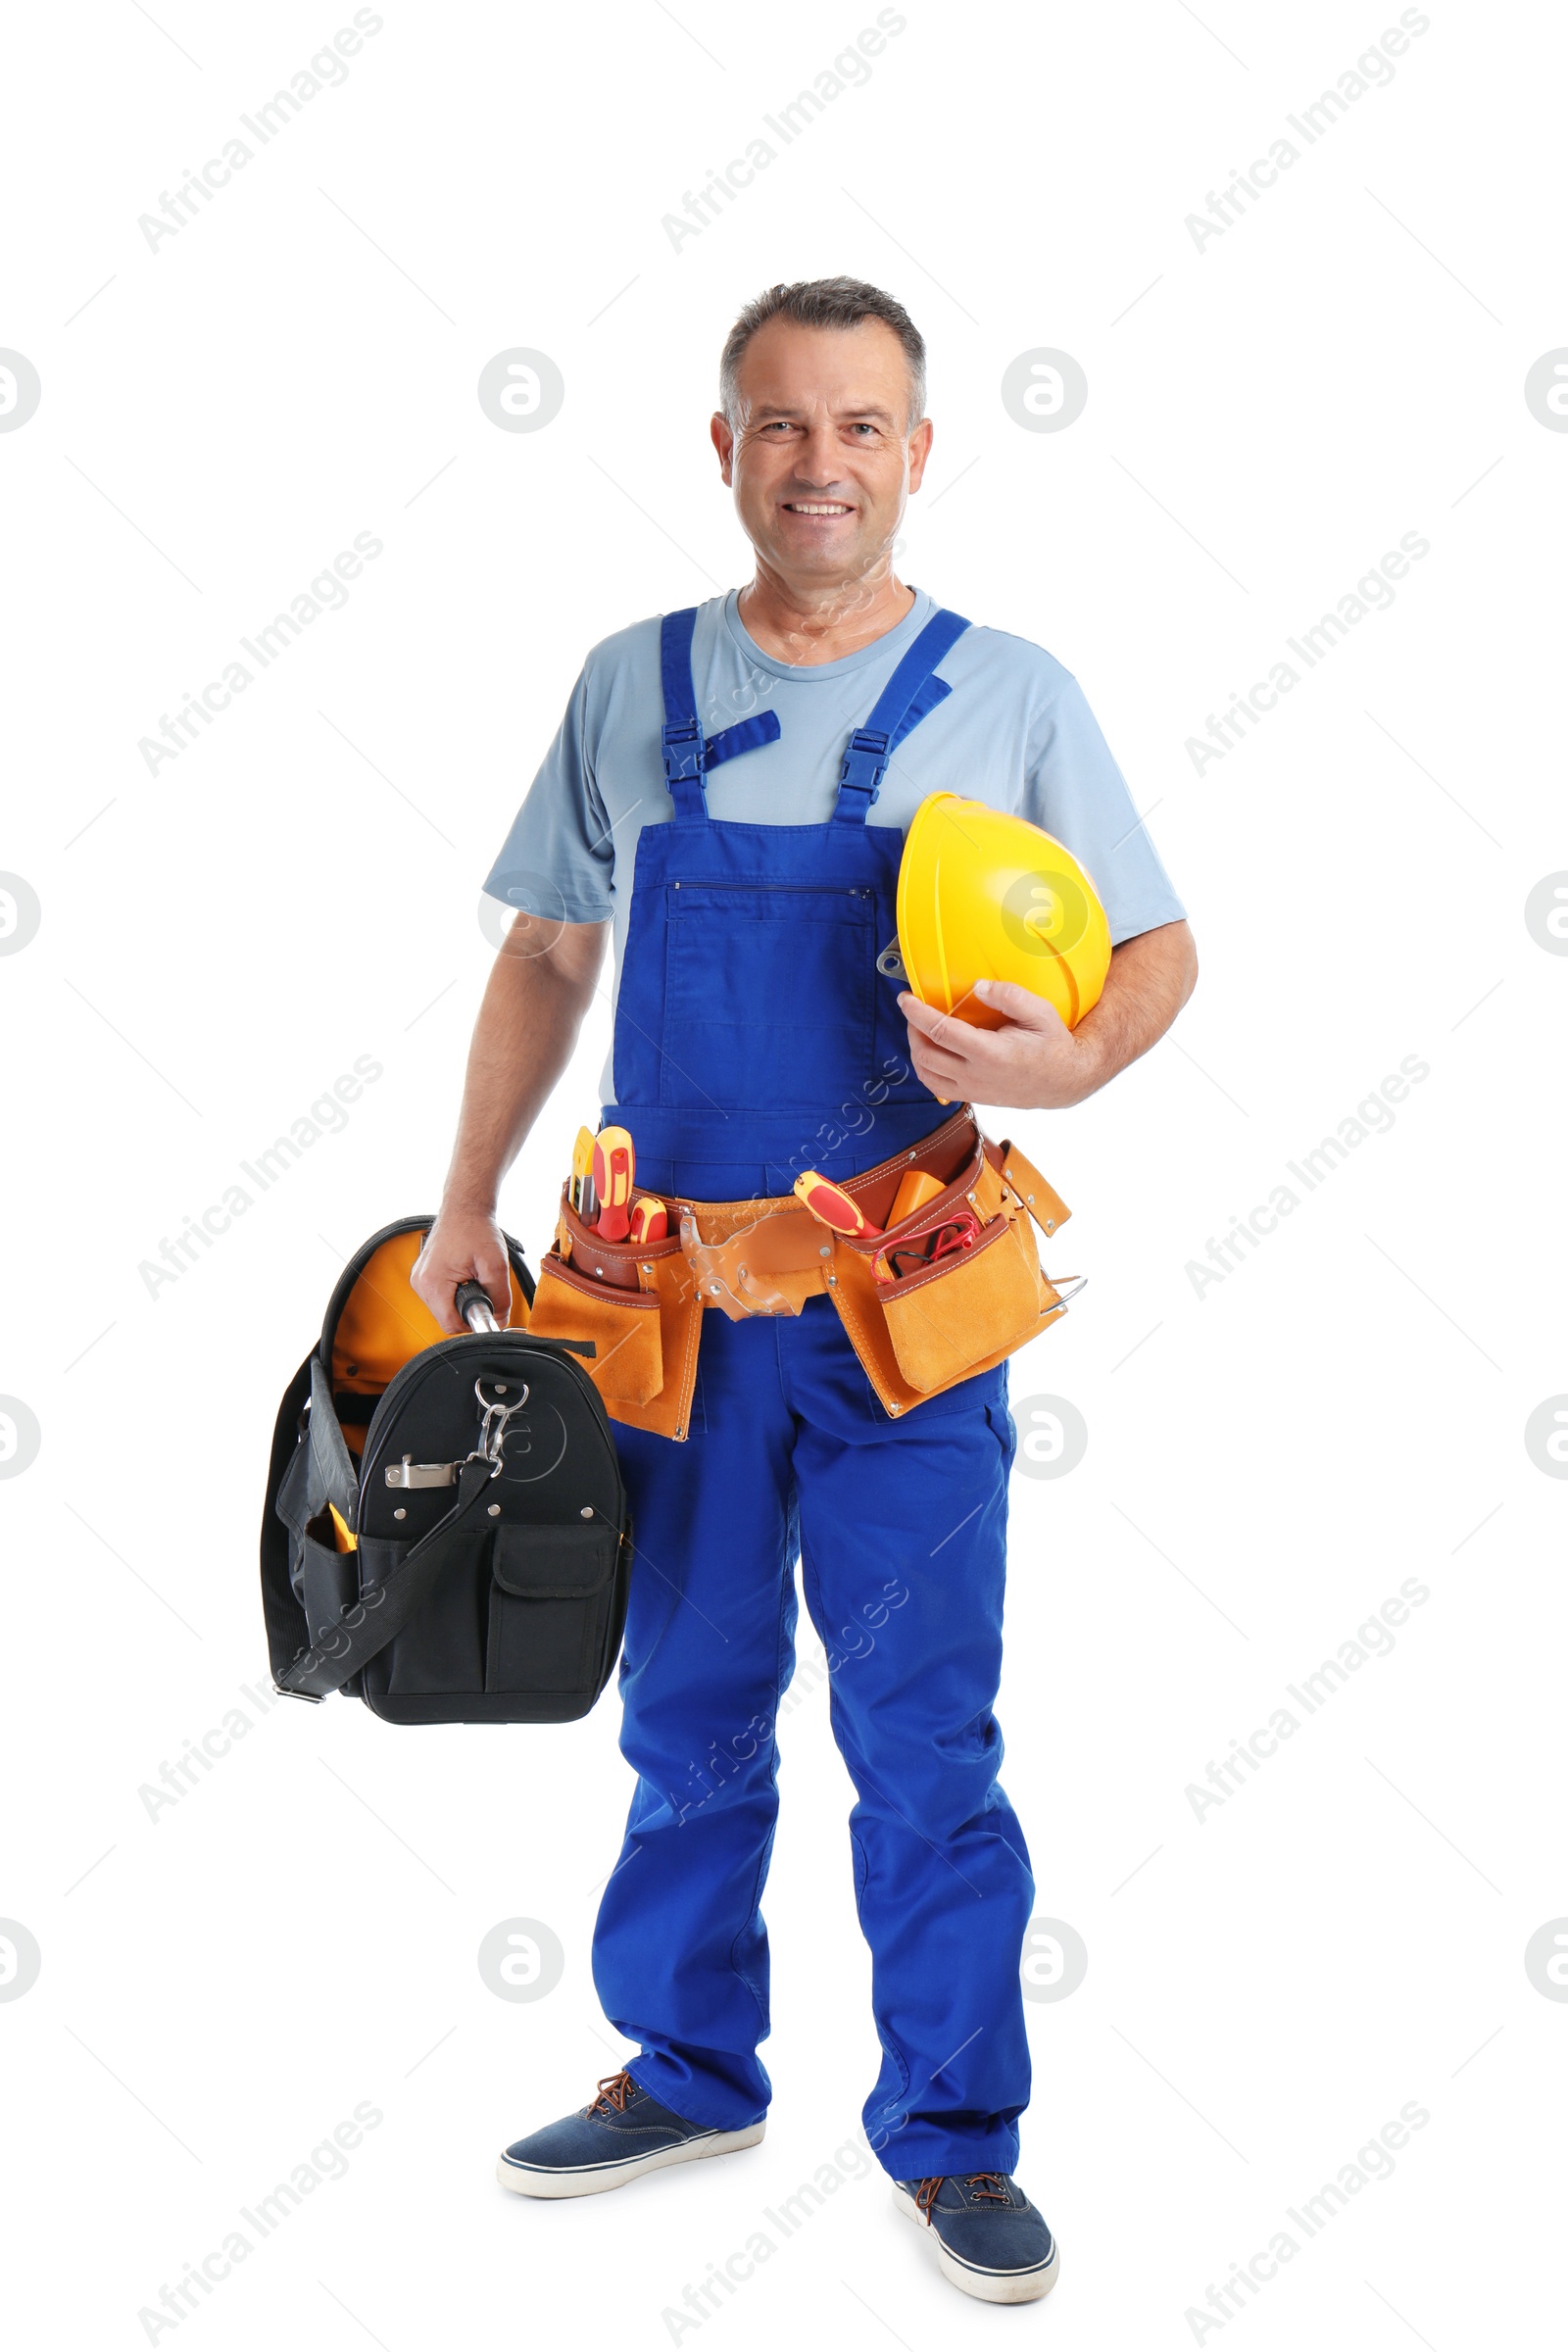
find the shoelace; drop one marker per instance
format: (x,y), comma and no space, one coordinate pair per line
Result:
(613,2092)
(991,2187)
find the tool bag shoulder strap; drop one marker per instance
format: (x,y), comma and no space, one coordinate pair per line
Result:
(314,1669)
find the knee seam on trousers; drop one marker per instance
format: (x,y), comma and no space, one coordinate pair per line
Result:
(762,1860)
(864,1870)
(889,2047)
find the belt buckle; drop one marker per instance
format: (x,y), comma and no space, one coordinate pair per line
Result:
(740,1275)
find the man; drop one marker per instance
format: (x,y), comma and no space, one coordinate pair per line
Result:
(754,1037)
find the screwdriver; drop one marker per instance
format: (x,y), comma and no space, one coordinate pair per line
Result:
(831,1206)
(613,1173)
(648,1220)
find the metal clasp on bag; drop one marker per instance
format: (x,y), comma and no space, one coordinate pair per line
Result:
(409,1473)
(497,1415)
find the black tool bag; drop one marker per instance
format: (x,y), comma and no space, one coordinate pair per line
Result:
(476,1568)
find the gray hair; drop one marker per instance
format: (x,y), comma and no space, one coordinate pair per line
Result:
(823,302)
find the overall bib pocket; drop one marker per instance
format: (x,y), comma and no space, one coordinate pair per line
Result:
(740,1026)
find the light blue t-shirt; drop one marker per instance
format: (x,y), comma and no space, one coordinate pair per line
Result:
(1015,731)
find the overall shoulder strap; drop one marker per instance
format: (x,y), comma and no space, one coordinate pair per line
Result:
(911,693)
(681,737)
(686,756)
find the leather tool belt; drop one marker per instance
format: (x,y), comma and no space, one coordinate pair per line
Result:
(918,1323)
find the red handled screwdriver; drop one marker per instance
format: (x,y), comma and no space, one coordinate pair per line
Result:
(648,1220)
(831,1206)
(613,1173)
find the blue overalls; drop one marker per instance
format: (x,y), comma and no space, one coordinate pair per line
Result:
(755,1038)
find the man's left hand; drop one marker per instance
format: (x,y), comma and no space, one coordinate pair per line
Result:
(1033,1063)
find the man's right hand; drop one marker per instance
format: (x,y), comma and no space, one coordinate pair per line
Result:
(463,1244)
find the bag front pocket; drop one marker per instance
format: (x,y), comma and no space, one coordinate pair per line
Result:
(550,1597)
(328,1579)
(628,1365)
(441,1647)
(966,1308)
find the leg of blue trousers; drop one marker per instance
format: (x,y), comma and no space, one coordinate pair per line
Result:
(903,1560)
(680,1950)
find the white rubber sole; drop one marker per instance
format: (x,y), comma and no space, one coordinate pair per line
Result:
(591,2180)
(991,2286)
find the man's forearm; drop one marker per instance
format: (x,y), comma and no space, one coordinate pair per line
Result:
(528,1022)
(1150,980)
(1034,1062)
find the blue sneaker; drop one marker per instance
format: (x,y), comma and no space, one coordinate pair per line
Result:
(622,2133)
(990,2241)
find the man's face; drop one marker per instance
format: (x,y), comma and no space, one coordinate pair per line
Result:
(821,456)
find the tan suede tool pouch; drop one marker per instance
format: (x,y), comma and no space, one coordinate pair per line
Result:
(961,1313)
(641,1310)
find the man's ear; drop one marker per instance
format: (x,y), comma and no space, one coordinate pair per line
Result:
(723,441)
(919,450)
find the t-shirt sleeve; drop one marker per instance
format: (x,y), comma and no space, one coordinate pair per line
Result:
(1074,789)
(558,857)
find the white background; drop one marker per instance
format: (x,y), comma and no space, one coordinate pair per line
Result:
(1346,1934)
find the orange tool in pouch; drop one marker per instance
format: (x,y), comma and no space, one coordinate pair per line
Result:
(916,1190)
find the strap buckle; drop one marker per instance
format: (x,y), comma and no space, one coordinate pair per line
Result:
(867,743)
(680,741)
(865,763)
(767,1266)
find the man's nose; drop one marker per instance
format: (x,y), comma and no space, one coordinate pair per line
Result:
(818,458)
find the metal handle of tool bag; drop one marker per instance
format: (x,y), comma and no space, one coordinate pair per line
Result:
(474,1307)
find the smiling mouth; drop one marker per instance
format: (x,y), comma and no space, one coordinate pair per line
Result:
(816,506)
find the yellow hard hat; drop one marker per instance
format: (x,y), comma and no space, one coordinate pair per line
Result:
(985,895)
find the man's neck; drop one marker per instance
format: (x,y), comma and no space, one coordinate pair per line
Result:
(809,626)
